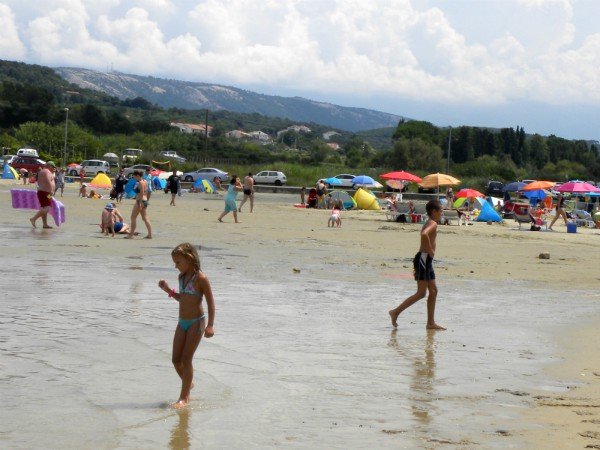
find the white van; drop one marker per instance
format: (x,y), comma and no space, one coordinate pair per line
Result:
(91,167)
(130,155)
(28,152)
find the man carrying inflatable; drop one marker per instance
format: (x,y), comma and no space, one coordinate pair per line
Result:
(44,194)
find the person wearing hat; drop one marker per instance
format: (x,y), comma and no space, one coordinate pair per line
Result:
(112,221)
(44,194)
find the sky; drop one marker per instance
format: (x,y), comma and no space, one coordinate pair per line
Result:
(496,63)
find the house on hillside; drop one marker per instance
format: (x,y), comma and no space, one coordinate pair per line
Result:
(259,136)
(192,128)
(297,128)
(333,145)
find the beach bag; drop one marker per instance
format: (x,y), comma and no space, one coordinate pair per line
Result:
(535,228)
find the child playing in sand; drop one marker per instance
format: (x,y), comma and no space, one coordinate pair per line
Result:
(335,219)
(83,191)
(423,268)
(193,284)
(108,220)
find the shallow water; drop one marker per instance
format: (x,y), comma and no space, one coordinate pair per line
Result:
(297,361)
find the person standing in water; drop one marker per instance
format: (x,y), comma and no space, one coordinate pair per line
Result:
(193,322)
(46,188)
(423,269)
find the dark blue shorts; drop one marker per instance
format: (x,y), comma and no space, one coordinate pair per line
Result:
(423,267)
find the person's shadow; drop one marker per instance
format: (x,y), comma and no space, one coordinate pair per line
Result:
(180,434)
(422,385)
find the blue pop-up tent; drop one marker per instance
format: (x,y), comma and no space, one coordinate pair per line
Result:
(9,173)
(488,213)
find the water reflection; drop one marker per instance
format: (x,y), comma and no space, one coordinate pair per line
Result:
(422,376)
(180,434)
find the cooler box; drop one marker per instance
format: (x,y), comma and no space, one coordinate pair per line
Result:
(571,228)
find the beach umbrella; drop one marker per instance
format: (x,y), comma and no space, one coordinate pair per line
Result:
(395,184)
(514,186)
(333,181)
(435,180)
(539,194)
(469,193)
(401,175)
(537,185)
(577,187)
(365,180)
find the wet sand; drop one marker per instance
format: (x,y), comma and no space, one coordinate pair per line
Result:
(304,354)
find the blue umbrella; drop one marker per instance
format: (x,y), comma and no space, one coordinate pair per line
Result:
(514,186)
(364,180)
(538,194)
(333,181)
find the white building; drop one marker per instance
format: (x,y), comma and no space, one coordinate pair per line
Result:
(191,128)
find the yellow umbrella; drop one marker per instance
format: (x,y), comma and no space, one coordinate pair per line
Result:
(435,180)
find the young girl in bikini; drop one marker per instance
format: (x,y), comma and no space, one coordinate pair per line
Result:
(193,321)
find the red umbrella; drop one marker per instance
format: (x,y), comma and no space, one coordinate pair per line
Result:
(469,193)
(401,175)
(578,187)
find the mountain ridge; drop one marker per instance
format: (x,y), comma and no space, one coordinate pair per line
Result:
(169,93)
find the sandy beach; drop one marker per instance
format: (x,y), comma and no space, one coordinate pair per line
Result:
(303,345)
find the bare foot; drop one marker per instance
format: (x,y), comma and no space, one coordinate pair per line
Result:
(179,404)
(47,226)
(435,326)
(220,220)
(128,237)
(32,223)
(148,237)
(394,318)
(238,221)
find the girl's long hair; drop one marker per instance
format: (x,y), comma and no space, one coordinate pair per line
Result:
(188,251)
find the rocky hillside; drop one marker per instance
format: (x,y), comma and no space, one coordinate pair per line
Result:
(191,95)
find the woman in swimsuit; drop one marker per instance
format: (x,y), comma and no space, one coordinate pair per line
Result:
(560,210)
(192,325)
(230,198)
(141,205)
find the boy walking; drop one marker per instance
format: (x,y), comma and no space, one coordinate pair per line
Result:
(423,269)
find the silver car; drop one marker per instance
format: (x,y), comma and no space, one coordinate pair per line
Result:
(207,173)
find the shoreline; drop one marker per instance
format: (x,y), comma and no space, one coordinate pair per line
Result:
(277,239)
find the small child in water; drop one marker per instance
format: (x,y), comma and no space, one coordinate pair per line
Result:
(192,325)
(423,268)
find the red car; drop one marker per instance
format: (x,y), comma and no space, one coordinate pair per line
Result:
(29,163)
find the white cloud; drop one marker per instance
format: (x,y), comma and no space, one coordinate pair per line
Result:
(11,46)
(353,47)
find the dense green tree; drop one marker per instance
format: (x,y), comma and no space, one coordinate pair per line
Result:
(412,129)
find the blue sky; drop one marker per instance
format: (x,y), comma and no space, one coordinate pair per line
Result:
(497,63)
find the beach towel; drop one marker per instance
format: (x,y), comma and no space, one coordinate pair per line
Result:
(27,199)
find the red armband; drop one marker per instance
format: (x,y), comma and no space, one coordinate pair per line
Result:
(171,293)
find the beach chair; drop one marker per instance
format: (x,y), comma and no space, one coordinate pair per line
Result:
(393,214)
(583,218)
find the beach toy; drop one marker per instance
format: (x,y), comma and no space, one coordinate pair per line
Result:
(299,205)
(571,227)
(27,199)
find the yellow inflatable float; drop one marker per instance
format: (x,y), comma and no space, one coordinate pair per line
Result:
(366,200)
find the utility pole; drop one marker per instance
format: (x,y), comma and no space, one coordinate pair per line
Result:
(64,164)
(205,137)
(449,149)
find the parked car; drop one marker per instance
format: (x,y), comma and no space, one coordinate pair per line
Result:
(172,155)
(128,172)
(270,177)
(346,180)
(207,173)
(424,190)
(91,167)
(494,188)
(131,155)
(29,163)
